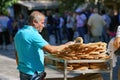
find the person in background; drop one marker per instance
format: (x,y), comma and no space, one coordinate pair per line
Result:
(81,22)
(70,25)
(49,19)
(4,36)
(116,45)
(107,19)
(114,23)
(95,26)
(61,27)
(29,45)
(21,21)
(14,27)
(10,28)
(57,27)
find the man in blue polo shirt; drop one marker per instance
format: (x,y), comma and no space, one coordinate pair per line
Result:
(29,46)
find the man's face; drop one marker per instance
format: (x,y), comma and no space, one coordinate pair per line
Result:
(41,24)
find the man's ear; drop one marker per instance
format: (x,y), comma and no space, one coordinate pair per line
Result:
(35,22)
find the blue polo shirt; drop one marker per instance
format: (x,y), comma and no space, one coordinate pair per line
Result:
(29,44)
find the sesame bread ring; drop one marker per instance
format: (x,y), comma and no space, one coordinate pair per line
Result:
(79,40)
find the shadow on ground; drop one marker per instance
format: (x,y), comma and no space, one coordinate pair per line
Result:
(8,53)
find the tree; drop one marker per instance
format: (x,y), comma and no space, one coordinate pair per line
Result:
(4,4)
(73,4)
(69,4)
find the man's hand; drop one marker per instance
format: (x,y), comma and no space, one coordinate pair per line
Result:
(116,42)
(69,43)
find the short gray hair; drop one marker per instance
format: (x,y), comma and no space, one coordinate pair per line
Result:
(35,15)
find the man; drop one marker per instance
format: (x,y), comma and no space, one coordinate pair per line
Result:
(116,45)
(4,34)
(29,45)
(107,19)
(81,22)
(95,26)
(70,25)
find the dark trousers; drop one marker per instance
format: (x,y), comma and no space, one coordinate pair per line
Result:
(70,34)
(81,31)
(4,38)
(24,76)
(58,35)
(36,76)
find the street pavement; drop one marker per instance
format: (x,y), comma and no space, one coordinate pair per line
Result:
(8,65)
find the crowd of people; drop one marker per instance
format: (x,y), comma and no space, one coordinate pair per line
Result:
(8,28)
(92,25)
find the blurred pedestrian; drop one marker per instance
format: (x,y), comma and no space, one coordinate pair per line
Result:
(107,19)
(70,26)
(95,26)
(57,29)
(81,22)
(21,21)
(10,28)
(49,20)
(14,27)
(114,24)
(4,36)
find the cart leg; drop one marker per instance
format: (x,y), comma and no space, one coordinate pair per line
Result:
(111,69)
(65,70)
(110,75)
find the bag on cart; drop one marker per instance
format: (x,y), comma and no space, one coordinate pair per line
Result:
(39,76)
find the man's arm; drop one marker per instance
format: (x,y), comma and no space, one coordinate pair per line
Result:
(54,49)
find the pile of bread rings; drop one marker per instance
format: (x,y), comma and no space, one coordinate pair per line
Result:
(80,50)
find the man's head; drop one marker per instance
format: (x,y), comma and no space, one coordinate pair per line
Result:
(95,10)
(37,20)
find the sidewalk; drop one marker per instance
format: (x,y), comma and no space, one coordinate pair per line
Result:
(8,69)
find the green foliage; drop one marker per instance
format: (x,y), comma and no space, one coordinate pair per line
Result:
(69,4)
(4,4)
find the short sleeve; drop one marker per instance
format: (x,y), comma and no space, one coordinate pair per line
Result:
(38,41)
